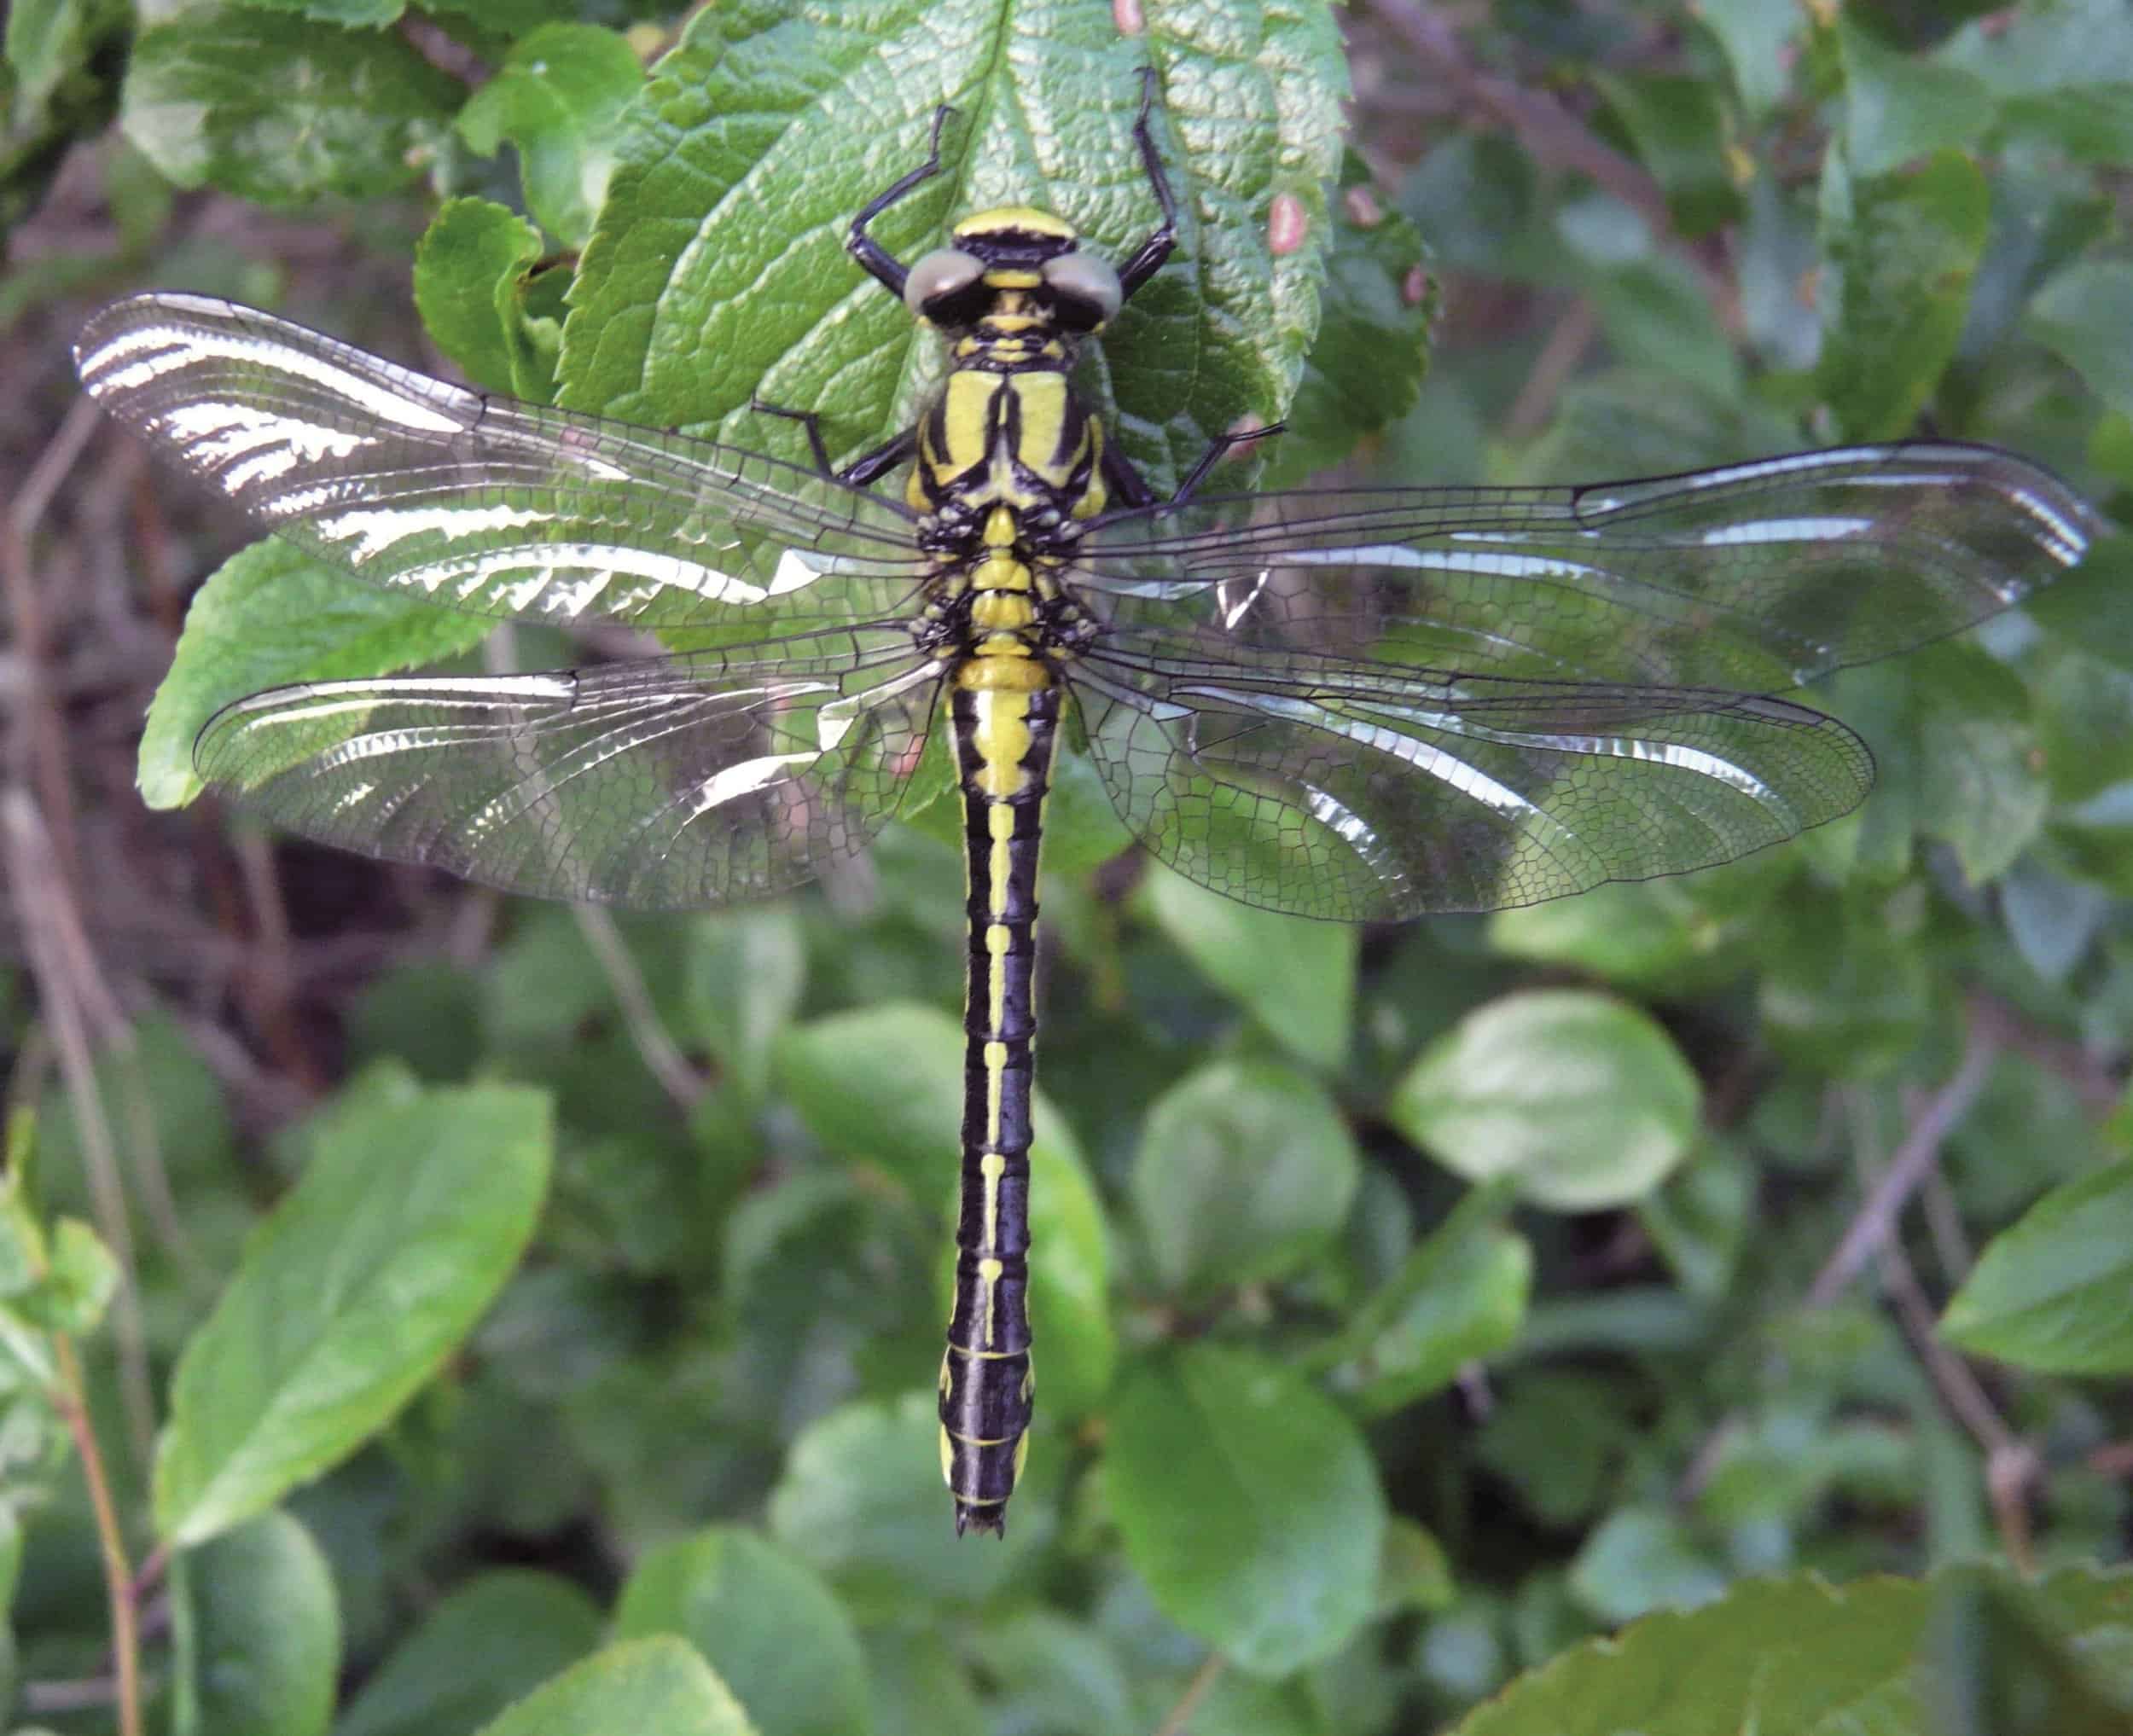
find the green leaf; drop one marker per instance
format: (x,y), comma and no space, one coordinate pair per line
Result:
(1640,1559)
(2084,314)
(687,303)
(885,1085)
(1585,1102)
(862,1499)
(1798,1657)
(1898,107)
(1365,371)
(559,96)
(2093,122)
(1898,255)
(2092,607)
(1700,1219)
(751,1609)
(1754,35)
(77,1286)
(49,43)
(1844,995)
(496,1637)
(1553,1436)
(1459,1296)
(2050,1293)
(1980,786)
(644,1684)
(266,1631)
(280,110)
(414,1208)
(353,15)
(471,278)
(742,971)
(1244,1171)
(1248,1503)
(1678,127)
(1054,1674)
(1297,978)
(269,616)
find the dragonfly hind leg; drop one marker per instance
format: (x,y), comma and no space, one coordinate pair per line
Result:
(1130,489)
(867,469)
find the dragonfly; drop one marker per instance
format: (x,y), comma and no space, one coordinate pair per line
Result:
(1353,704)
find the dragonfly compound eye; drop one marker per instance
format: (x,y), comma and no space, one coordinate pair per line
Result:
(1086,290)
(944,287)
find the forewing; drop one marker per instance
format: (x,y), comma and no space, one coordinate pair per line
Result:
(481,504)
(1319,787)
(1752,578)
(671,783)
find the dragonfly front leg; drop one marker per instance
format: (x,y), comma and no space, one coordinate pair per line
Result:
(876,259)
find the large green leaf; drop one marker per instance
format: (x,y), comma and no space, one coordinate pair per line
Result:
(1585,1102)
(2085,313)
(658,1684)
(271,615)
(1798,1657)
(414,1208)
(495,1637)
(688,301)
(264,1631)
(472,275)
(282,110)
(1898,253)
(751,1608)
(1249,1504)
(1244,1170)
(2051,1293)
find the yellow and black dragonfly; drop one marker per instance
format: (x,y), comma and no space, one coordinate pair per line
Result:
(1355,704)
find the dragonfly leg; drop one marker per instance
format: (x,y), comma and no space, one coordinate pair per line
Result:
(1129,488)
(877,259)
(866,469)
(1148,258)
(1217,449)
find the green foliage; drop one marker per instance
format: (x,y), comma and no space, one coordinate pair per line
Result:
(1412,1309)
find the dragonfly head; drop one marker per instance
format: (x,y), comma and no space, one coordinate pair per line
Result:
(1013,258)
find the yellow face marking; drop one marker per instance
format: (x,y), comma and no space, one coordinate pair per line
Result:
(989,1275)
(992,1166)
(1028,218)
(1007,277)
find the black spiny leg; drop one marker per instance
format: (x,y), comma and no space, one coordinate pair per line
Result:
(1130,489)
(1149,259)
(877,259)
(868,467)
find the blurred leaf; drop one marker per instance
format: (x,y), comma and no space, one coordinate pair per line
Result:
(742,974)
(1459,1296)
(1755,35)
(1640,1559)
(1980,787)
(2082,315)
(1898,253)
(1553,1436)
(1244,1171)
(349,14)
(1843,994)
(1583,1100)
(2093,122)
(414,1208)
(1415,1574)
(2050,1293)
(1677,125)
(1899,106)
(49,43)
(1700,1219)
(76,1284)
(266,1631)
(269,616)
(2053,920)
(687,303)
(862,1499)
(494,1638)
(920,1688)
(752,1609)
(1297,978)
(658,1684)
(275,108)
(1248,1503)
(558,97)
(470,275)
(1365,370)
(2092,607)
(1053,1675)
(1657,314)
(1873,1650)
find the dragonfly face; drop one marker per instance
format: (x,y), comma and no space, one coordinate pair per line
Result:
(1354,705)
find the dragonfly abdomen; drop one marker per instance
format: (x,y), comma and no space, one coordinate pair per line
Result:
(1004,736)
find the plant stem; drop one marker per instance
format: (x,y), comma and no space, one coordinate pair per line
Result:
(125,1640)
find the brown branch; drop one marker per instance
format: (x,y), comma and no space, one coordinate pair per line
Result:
(663,1058)
(1196,1690)
(126,1641)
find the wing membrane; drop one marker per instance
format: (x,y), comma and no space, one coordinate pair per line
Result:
(1753,576)
(485,504)
(1319,787)
(668,783)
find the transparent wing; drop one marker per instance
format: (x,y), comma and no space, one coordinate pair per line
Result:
(1752,578)
(486,504)
(1330,787)
(670,783)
